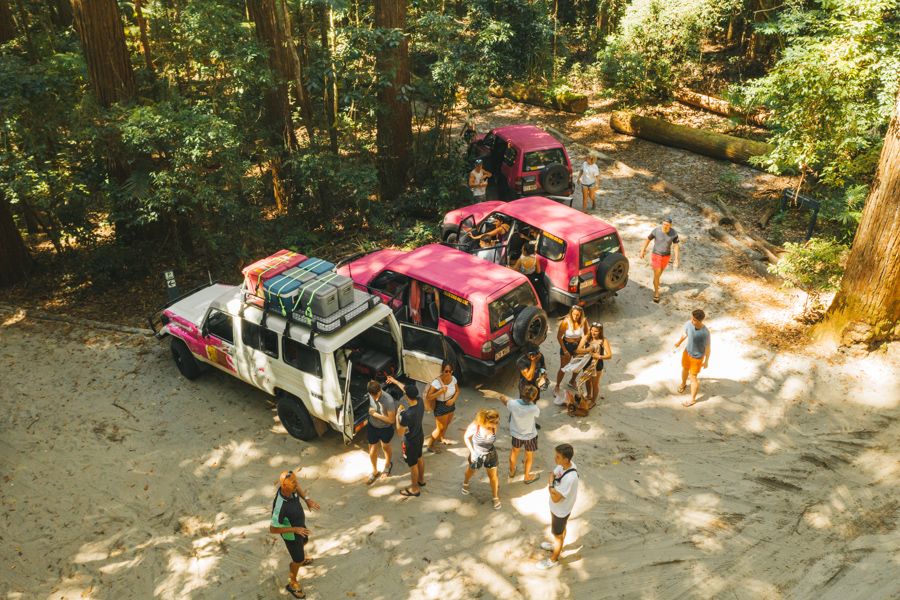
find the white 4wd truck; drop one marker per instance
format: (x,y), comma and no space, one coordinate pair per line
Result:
(317,370)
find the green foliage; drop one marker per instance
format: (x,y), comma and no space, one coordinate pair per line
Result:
(658,45)
(815,266)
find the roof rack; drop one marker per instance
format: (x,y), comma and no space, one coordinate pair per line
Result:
(362,303)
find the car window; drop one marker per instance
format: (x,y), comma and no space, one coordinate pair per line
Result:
(220,325)
(489,140)
(537,160)
(390,283)
(510,156)
(505,308)
(455,309)
(260,338)
(422,340)
(301,357)
(593,251)
(551,247)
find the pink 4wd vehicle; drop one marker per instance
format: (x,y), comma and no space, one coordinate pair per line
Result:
(525,160)
(454,305)
(582,258)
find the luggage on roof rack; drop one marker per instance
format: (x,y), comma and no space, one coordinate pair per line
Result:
(257,273)
(362,302)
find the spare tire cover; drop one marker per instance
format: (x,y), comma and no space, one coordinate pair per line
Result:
(555,178)
(612,272)
(530,326)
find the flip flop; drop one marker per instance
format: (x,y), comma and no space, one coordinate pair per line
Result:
(372,478)
(306,561)
(295,592)
(682,388)
(688,403)
(497,504)
(465,489)
(387,472)
(407,493)
(421,484)
(532,480)
(656,298)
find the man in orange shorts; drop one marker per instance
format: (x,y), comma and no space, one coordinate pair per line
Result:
(665,246)
(696,353)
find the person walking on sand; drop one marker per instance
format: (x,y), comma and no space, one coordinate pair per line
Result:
(480,437)
(478,181)
(289,521)
(589,180)
(571,330)
(665,246)
(563,488)
(442,395)
(410,420)
(696,354)
(380,428)
(595,344)
(523,414)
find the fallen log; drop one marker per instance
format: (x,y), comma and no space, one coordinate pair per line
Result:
(565,101)
(720,107)
(709,143)
(770,212)
(753,257)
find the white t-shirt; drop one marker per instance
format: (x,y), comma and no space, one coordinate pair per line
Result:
(590,173)
(568,488)
(451,389)
(478,177)
(522,416)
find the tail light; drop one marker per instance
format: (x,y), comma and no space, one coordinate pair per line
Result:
(487,349)
(573,284)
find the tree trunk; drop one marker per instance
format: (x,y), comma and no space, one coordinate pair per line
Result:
(566,101)
(394,115)
(868,302)
(329,87)
(103,43)
(300,57)
(15,262)
(719,106)
(145,39)
(761,45)
(7,24)
(709,143)
(61,13)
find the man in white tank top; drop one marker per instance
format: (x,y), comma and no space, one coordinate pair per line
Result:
(478,181)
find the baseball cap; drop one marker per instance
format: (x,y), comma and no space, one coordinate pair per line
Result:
(668,220)
(478,161)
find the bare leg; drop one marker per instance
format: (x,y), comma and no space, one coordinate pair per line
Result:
(414,475)
(597,379)
(373,456)
(469,473)
(495,482)
(584,197)
(563,361)
(558,541)
(421,470)
(684,376)
(388,455)
(695,387)
(513,459)
(657,273)
(529,460)
(295,568)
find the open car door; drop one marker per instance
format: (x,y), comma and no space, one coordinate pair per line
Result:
(424,350)
(348,419)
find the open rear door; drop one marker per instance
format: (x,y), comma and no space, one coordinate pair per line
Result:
(424,350)
(348,424)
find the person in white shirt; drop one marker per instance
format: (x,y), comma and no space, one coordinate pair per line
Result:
(589,180)
(563,488)
(478,181)
(523,414)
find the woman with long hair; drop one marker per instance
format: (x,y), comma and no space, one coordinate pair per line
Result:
(595,344)
(571,330)
(480,437)
(441,398)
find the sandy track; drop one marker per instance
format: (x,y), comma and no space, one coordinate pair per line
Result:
(781,483)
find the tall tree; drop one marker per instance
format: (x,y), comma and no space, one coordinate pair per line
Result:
(7,24)
(870,290)
(394,115)
(15,262)
(103,43)
(325,18)
(61,13)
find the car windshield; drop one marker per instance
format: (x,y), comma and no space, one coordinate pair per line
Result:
(537,160)
(505,308)
(593,251)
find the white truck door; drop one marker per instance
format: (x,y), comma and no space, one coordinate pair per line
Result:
(348,419)
(424,350)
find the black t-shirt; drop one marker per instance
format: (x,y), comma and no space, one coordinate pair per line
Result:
(287,512)
(524,363)
(411,418)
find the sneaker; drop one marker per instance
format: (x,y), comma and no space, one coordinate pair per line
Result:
(547,564)
(547,546)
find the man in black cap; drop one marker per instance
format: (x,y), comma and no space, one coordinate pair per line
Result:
(410,419)
(478,181)
(665,246)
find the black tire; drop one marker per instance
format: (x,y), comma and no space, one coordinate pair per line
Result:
(554,179)
(452,238)
(530,326)
(184,360)
(612,272)
(295,418)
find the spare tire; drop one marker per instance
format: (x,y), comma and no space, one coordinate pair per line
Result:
(612,272)
(530,326)
(554,179)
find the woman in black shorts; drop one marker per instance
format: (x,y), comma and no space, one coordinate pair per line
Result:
(479,437)
(441,397)
(595,344)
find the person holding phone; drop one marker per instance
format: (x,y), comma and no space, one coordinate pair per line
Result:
(563,489)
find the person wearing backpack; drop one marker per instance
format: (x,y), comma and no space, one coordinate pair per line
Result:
(563,488)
